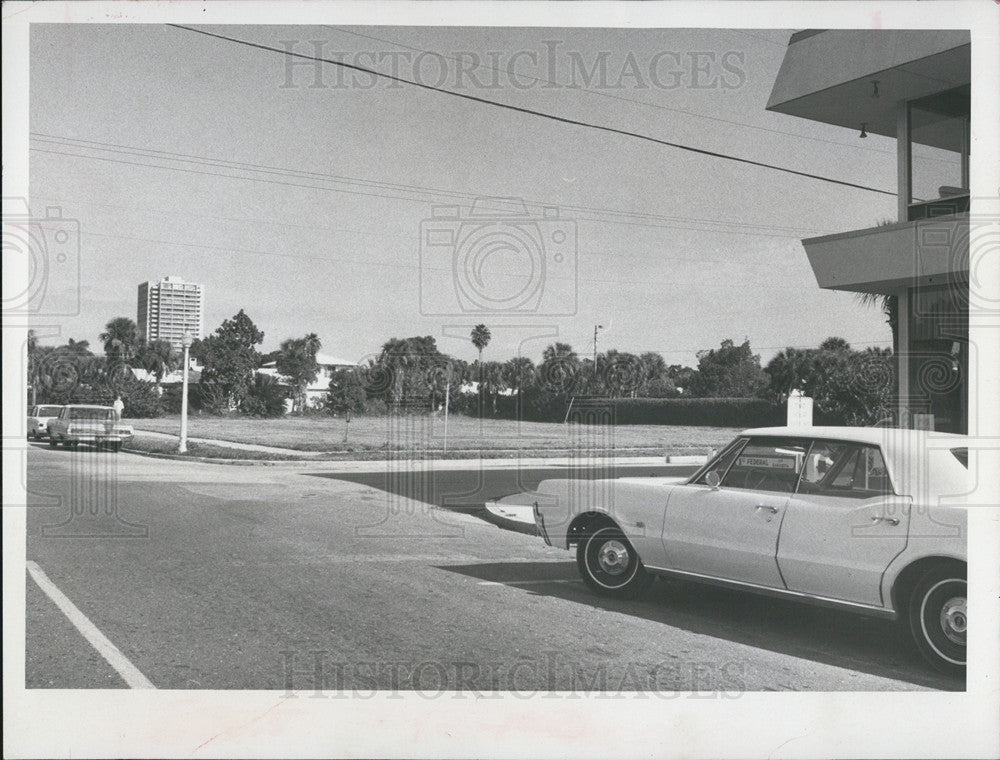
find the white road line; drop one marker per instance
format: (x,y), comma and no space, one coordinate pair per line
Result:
(100,642)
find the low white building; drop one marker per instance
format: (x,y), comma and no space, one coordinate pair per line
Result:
(316,391)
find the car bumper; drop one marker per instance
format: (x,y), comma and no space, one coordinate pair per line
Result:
(76,438)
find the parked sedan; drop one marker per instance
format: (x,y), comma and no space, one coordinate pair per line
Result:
(88,423)
(870,520)
(39,418)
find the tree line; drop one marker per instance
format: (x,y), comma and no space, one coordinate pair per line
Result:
(413,375)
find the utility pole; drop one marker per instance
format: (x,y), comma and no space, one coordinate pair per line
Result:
(596,328)
(447,399)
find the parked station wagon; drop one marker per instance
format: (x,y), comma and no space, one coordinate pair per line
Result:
(867,519)
(88,423)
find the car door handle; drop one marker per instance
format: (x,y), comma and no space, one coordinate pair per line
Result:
(890,520)
(768,507)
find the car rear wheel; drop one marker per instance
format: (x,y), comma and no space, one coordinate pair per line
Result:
(938,618)
(52,441)
(609,564)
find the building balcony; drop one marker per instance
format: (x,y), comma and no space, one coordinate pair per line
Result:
(832,76)
(887,258)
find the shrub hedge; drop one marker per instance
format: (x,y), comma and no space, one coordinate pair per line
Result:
(714,412)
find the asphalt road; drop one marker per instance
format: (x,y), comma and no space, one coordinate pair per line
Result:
(467,490)
(222,577)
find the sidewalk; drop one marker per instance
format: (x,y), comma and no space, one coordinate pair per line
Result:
(228,444)
(399,461)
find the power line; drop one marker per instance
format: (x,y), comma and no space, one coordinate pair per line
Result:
(555,84)
(412,200)
(397,264)
(149,153)
(532,112)
(245,220)
(359,262)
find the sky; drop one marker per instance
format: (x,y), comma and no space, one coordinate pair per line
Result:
(335,202)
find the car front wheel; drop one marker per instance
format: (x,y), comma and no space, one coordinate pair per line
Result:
(938,618)
(610,565)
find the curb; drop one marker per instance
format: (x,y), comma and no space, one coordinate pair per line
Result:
(525,454)
(687,459)
(210,460)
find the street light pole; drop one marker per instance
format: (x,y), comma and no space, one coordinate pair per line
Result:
(447,399)
(186,341)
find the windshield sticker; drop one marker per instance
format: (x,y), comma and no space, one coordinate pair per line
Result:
(771,463)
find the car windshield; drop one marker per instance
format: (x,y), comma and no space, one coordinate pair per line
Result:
(99,415)
(48,411)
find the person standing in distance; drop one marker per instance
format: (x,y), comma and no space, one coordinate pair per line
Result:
(119,407)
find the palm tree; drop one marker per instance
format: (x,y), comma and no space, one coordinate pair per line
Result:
(121,339)
(159,358)
(560,368)
(78,347)
(34,359)
(889,306)
(519,373)
(396,359)
(493,381)
(481,339)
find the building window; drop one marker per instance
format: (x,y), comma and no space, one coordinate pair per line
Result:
(938,355)
(938,142)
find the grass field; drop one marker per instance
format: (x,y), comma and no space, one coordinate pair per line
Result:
(196,450)
(426,433)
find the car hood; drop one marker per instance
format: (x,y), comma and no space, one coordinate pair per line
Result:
(648,481)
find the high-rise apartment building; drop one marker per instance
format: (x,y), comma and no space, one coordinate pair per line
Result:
(169,308)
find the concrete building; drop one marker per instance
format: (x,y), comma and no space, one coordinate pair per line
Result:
(169,308)
(913,86)
(317,390)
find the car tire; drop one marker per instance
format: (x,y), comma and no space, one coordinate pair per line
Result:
(52,441)
(938,619)
(115,447)
(610,565)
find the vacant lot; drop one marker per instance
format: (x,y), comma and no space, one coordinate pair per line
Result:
(420,433)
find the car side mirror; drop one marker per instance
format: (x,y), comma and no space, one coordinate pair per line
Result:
(713,479)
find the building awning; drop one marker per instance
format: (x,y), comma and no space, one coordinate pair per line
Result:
(829,75)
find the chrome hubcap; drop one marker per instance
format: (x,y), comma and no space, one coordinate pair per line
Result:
(954,620)
(613,557)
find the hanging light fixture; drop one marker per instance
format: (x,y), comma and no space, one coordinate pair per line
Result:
(864,130)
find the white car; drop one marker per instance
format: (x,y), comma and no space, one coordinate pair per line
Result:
(88,423)
(39,418)
(871,520)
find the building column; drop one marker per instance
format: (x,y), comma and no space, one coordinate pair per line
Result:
(903,159)
(903,358)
